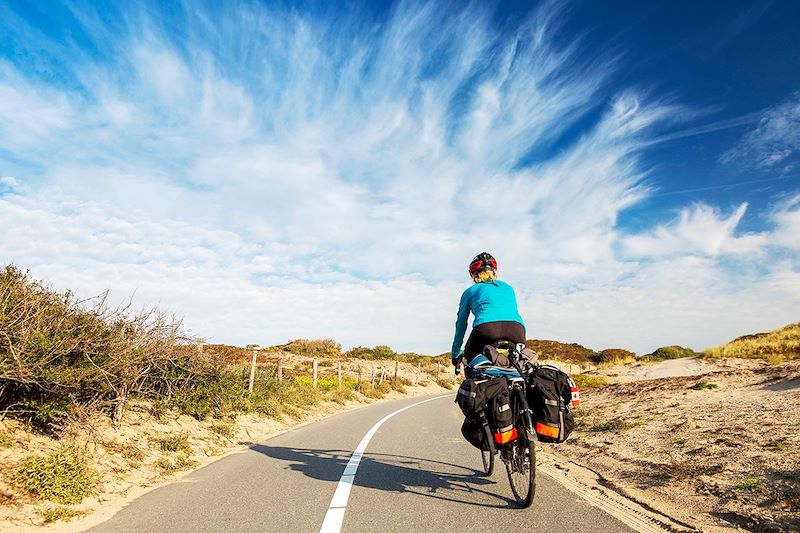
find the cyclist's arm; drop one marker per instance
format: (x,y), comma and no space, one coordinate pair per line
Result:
(461,327)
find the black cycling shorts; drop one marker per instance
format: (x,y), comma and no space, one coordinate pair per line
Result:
(489,332)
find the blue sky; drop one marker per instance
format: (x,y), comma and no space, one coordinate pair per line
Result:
(271,171)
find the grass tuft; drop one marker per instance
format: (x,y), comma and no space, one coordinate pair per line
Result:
(702,385)
(615,424)
(221,428)
(747,484)
(174,442)
(54,514)
(445,383)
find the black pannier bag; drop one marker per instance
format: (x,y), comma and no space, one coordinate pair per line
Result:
(549,396)
(504,430)
(473,394)
(472,429)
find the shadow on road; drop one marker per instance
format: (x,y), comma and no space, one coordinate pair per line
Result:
(394,473)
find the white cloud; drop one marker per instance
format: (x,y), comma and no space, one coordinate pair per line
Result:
(699,230)
(287,179)
(774,141)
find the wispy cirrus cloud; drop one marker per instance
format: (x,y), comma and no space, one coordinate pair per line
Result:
(275,174)
(774,141)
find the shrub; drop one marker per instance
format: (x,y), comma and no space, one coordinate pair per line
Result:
(613,356)
(6,442)
(313,348)
(342,396)
(378,352)
(64,476)
(669,352)
(58,351)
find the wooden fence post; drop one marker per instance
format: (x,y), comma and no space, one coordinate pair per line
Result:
(416,379)
(372,379)
(339,373)
(280,370)
(395,373)
(252,368)
(383,374)
(359,378)
(314,373)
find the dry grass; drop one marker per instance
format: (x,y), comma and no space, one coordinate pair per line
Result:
(776,346)
(588,381)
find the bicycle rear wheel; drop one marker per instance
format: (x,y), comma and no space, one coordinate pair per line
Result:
(521,470)
(487,455)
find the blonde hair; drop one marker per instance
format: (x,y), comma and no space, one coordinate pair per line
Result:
(485,275)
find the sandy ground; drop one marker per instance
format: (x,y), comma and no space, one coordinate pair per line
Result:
(130,460)
(721,458)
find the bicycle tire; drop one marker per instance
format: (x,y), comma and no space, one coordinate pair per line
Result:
(487,456)
(521,464)
(521,470)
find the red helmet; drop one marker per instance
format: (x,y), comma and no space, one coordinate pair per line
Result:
(482,261)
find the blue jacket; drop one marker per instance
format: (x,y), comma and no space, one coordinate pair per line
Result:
(490,301)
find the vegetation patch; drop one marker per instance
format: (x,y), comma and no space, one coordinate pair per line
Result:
(587,381)
(778,345)
(174,442)
(669,352)
(221,428)
(613,356)
(54,514)
(687,469)
(748,484)
(5,441)
(572,352)
(176,464)
(64,476)
(703,385)
(615,424)
(445,383)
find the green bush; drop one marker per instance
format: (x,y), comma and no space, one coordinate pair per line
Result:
(64,476)
(313,348)
(669,352)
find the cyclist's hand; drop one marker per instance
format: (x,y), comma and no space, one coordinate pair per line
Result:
(457,363)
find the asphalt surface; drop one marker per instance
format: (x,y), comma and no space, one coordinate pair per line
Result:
(418,474)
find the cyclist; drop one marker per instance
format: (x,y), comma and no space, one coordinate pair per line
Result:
(494,305)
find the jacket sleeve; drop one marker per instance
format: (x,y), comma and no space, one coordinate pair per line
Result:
(461,325)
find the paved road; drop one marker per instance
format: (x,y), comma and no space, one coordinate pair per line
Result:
(417,474)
